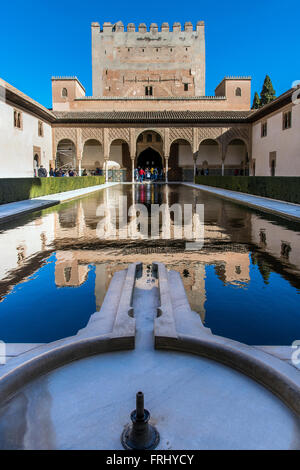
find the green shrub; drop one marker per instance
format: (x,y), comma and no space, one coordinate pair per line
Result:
(284,188)
(18,189)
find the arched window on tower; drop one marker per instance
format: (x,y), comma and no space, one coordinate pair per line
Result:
(238,91)
(64,93)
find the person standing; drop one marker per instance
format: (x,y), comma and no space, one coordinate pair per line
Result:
(42,172)
(142,174)
(152,172)
(136,174)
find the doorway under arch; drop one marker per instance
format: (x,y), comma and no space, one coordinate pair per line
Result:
(149,158)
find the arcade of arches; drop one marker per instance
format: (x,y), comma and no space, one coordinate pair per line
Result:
(181,152)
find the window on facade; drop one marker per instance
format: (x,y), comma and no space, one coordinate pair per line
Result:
(263,237)
(287,120)
(238,92)
(158,138)
(148,91)
(264,129)
(140,138)
(64,92)
(68,274)
(40,129)
(285,249)
(186,87)
(149,137)
(238,270)
(17,119)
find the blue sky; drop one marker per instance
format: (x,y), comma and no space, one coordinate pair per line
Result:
(42,38)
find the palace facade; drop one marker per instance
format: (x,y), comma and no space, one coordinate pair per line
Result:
(149,108)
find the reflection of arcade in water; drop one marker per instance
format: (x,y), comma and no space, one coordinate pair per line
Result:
(147,194)
(71,269)
(231,232)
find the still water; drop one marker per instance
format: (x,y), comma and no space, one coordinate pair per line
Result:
(244,282)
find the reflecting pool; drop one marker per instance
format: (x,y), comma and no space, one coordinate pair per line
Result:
(244,282)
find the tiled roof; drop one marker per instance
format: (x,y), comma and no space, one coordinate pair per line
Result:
(152,116)
(273,106)
(17,98)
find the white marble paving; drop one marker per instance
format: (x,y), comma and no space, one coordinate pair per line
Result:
(282,208)
(13,209)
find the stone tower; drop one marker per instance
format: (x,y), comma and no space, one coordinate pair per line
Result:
(143,62)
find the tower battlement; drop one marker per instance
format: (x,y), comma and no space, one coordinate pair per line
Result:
(119,27)
(148,61)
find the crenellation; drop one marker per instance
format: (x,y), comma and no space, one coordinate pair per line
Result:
(153,28)
(107,27)
(95,24)
(131,27)
(188,26)
(142,27)
(119,27)
(176,27)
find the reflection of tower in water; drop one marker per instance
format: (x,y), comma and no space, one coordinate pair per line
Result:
(193,278)
(68,270)
(100,284)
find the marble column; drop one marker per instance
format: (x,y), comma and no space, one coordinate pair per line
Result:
(132,168)
(166,169)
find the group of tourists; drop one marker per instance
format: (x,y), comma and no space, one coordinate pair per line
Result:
(148,174)
(202,172)
(41,172)
(59,172)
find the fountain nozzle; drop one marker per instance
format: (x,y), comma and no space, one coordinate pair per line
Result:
(140,435)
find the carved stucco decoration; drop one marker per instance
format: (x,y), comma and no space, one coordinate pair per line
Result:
(205,133)
(159,130)
(119,133)
(92,133)
(61,133)
(185,133)
(232,133)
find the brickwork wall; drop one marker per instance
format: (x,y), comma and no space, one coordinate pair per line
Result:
(126,62)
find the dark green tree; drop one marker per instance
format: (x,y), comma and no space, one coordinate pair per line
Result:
(264,270)
(256,101)
(267,93)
